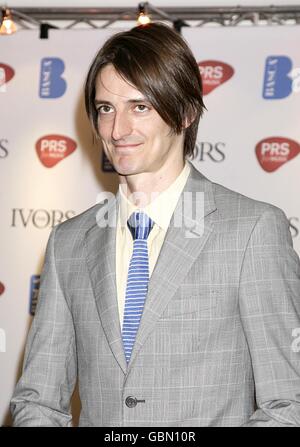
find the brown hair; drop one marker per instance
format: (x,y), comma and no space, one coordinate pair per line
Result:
(158,62)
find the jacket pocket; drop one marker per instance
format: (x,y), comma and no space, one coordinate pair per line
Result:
(194,301)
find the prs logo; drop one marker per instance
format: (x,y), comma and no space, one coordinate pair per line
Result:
(6,74)
(52,149)
(2,288)
(214,74)
(274,152)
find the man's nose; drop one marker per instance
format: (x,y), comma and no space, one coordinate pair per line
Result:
(121,126)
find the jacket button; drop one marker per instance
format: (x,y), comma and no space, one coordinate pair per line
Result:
(131,401)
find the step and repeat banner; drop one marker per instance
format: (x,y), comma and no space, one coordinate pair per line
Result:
(52,169)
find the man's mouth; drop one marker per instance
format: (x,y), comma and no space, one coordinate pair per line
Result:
(127,149)
(120,146)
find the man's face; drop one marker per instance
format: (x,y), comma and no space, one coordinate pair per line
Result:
(135,138)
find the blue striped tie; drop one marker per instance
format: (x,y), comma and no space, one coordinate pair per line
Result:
(140,226)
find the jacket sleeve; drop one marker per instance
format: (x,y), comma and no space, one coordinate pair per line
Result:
(269,299)
(42,395)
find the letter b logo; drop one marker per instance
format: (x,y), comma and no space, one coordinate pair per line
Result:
(277,82)
(52,85)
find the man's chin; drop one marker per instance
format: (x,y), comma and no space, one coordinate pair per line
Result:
(126,171)
(126,168)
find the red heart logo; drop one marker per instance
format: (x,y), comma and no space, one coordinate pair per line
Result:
(213,74)
(52,149)
(2,288)
(274,152)
(6,73)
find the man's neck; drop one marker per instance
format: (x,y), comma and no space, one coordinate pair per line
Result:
(142,189)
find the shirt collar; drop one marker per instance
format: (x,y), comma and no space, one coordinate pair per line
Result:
(161,209)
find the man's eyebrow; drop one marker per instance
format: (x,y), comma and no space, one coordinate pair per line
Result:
(129,101)
(98,101)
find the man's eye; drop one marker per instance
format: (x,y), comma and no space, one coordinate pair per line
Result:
(104,109)
(141,108)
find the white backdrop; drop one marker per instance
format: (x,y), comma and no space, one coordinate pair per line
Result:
(50,168)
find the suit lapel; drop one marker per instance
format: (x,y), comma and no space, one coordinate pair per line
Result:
(188,232)
(101,262)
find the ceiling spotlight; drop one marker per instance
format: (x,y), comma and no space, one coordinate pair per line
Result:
(7,25)
(143,16)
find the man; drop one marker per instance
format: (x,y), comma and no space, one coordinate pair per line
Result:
(165,319)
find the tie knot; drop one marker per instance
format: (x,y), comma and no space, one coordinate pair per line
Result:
(140,225)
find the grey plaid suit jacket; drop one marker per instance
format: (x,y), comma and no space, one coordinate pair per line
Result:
(216,344)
